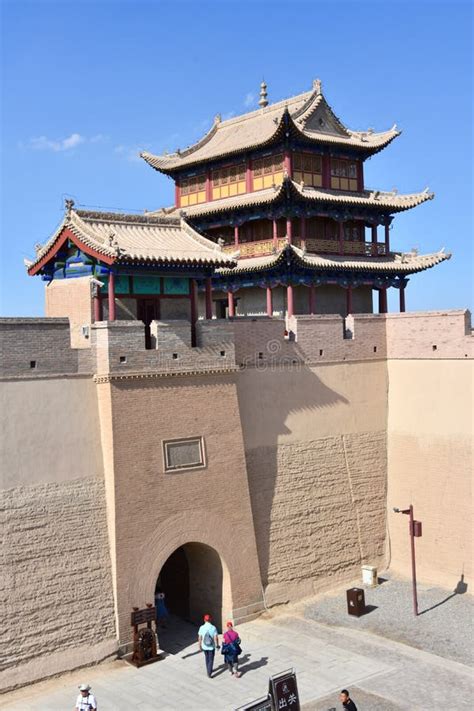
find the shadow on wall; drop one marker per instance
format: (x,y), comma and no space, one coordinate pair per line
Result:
(311,496)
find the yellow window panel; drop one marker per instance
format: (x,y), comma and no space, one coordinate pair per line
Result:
(184,200)
(277,178)
(257,183)
(224,191)
(298,177)
(202,196)
(352,184)
(335,183)
(317,181)
(216,193)
(268,181)
(193,199)
(241,187)
(344,184)
(308,178)
(233,189)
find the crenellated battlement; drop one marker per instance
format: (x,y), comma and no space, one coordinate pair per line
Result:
(33,347)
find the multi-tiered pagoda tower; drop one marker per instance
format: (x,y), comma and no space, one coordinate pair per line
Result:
(282,190)
(271,218)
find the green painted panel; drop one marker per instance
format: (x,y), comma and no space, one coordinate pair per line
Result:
(122,284)
(146,285)
(176,285)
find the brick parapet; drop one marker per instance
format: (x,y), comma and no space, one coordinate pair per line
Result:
(35,347)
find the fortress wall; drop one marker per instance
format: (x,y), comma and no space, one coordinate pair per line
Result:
(55,579)
(36,346)
(430,465)
(315,446)
(71,298)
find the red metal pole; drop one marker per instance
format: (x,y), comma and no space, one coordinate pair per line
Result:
(413,562)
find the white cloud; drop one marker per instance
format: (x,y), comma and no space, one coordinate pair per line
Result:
(249,99)
(43,143)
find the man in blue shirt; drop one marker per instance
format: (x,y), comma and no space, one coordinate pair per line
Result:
(208,642)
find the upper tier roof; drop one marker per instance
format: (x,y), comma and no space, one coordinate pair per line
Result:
(139,239)
(391,201)
(309,116)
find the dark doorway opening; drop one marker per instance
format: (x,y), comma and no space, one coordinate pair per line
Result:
(191,580)
(148,310)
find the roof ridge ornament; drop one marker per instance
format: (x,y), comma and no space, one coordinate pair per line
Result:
(263,95)
(69,204)
(317,86)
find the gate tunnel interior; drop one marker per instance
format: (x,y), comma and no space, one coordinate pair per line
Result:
(192,580)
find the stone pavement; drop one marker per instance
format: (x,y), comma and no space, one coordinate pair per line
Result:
(381,674)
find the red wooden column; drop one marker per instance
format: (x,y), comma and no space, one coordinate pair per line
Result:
(341,236)
(236,235)
(303,232)
(312,299)
(208,187)
(289,230)
(387,238)
(290,300)
(360,176)
(269,302)
(208,298)
(348,300)
(248,176)
(383,300)
(275,234)
(111,296)
(402,299)
(374,240)
(97,308)
(231,304)
(287,164)
(194,310)
(177,195)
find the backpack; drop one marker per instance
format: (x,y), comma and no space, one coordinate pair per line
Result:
(208,639)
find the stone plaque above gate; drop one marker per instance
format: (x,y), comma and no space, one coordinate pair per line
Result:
(184,454)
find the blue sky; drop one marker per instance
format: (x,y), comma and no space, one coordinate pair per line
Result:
(86,85)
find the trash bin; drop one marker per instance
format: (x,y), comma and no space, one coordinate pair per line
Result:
(355,602)
(369,576)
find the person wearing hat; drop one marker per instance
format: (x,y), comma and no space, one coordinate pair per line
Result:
(85,701)
(208,641)
(231,649)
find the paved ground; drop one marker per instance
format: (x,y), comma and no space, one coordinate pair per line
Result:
(444,625)
(382,674)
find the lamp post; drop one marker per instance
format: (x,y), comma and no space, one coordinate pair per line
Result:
(415,531)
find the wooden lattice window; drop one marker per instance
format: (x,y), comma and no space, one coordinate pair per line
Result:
(353,232)
(308,168)
(267,171)
(343,174)
(228,181)
(193,190)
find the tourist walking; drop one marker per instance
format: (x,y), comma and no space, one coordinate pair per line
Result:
(231,649)
(347,702)
(85,701)
(208,642)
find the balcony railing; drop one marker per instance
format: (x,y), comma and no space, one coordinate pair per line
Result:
(264,247)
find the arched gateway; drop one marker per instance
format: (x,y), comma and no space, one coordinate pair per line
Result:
(199,567)
(193,581)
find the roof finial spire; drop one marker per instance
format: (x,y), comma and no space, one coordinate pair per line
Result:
(263,95)
(69,204)
(317,86)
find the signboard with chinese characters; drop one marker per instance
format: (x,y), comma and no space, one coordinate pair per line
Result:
(263,704)
(139,617)
(284,691)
